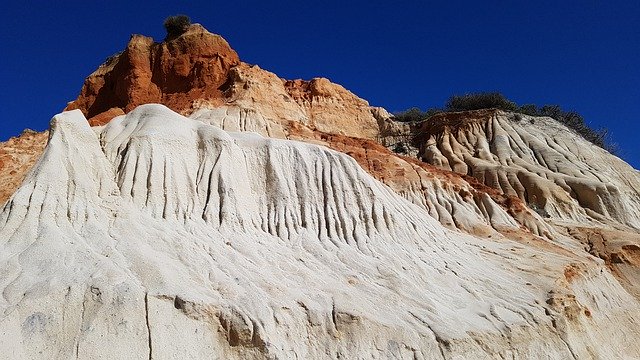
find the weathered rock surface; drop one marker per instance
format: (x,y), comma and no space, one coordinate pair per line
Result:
(146,244)
(457,202)
(253,99)
(198,70)
(198,73)
(174,72)
(17,156)
(334,109)
(537,159)
(494,237)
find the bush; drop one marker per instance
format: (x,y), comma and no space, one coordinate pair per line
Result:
(572,120)
(415,114)
(176,25)
(528,109)
(553,111)
(400,148)
(479,101)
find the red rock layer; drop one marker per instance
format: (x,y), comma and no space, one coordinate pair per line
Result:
(175,73)
(17,156)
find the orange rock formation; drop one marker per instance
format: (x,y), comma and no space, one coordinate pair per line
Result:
(175,72)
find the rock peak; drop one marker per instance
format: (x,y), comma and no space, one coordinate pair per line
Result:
(174,72)
(198,70)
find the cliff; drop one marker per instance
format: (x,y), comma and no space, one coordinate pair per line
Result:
(190,205)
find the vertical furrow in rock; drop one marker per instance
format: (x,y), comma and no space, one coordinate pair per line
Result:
(224,211)
(81,330)
(329,207)
(148,324)
(338,205)
(320,205)
(211,203)
(208,191)
(165,187)
(150,185)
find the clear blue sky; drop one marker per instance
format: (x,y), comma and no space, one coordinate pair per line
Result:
(582,55)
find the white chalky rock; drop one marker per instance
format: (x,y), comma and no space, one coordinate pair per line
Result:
(161,237)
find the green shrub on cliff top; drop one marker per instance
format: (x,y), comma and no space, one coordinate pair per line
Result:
(176,25)
(495,100)
(479,101)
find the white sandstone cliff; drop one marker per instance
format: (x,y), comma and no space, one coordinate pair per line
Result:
(158,236)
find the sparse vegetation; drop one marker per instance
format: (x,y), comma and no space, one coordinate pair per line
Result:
(400,148)
(495,100)
(176,25)
(415,114)
(477,101)
(572,120)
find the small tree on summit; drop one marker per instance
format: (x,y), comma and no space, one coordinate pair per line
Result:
(176,25)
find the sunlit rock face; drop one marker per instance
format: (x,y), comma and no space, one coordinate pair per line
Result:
(198,70)
(537,159)
(199,74)
(164,237)
(177,71)
(17,156)
(247,216)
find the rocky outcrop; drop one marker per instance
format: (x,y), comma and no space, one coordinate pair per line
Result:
(537,159)
(174,72)
(17,156)
(198,71)
(457,202)
(274,222)
(145,239)
(334,109)
(239,97)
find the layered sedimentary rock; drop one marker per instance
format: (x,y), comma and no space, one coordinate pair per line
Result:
(199,70)
(255,100)
(537,159)
(273,223)
(198,73)
(174,239)
(17,156)
(457,202)
(334,109)
(580,190)
(175,72)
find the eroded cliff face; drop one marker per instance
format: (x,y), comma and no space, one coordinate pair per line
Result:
(17,156)
(331,107)
(199,74)
(495,238)
(174,72)
(579,189)
(256,100)
(537,159)
(199,70)
(147,237)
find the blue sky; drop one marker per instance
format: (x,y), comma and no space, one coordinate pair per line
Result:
(582,55)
